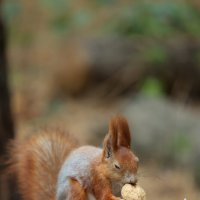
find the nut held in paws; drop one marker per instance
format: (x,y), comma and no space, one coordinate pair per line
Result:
(130,192)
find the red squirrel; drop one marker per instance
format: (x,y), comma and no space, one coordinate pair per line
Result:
(51,165)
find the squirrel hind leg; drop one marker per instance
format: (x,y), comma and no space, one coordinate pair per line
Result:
(77,191)
(73,191)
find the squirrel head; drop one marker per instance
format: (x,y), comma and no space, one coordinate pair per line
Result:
(120,162)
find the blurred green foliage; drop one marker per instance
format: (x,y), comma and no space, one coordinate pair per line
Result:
(180,144)
(179,150)
(148,19)
(155,55)
(57,6)
(104,2)
(60,23)
(137,18)
(152,87)
(11,9)
(160,19)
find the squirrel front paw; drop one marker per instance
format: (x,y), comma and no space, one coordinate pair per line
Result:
(115,198)
(111,197)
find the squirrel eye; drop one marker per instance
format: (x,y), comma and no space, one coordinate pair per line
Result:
(117,166)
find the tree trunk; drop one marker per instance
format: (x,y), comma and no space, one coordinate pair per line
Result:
(6,123)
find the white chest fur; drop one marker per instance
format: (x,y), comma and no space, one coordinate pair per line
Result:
(77,166)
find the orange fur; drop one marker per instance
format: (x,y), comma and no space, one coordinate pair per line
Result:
(78,192)
(119,131)
(38,161)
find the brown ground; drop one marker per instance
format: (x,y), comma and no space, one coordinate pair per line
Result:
(167,184)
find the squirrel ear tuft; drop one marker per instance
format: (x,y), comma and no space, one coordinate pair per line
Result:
(107,147)
(110,141)
(120,133)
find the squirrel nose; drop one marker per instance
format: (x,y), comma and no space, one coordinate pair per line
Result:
(133,182)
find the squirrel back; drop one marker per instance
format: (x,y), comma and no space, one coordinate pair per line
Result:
(36,163)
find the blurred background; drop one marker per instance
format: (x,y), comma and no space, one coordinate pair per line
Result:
(74,64)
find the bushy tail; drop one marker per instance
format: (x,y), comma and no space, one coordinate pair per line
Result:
(36,163)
